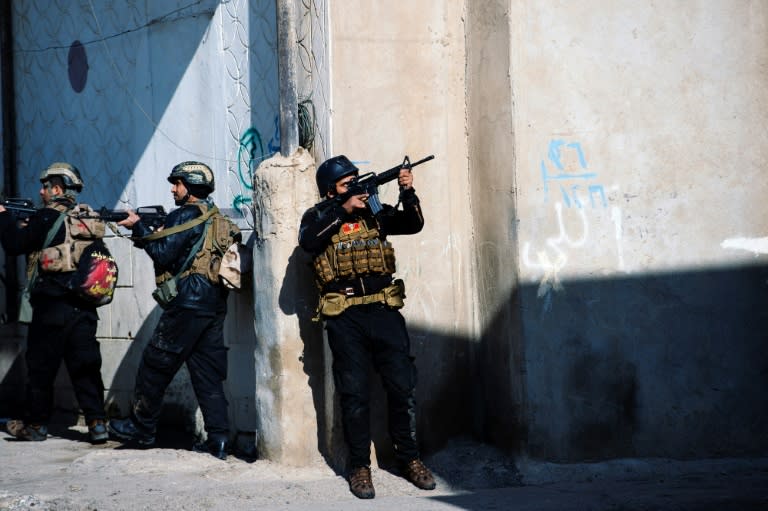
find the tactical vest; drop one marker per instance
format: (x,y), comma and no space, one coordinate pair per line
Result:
(356,251)
(219,236)
(81,227)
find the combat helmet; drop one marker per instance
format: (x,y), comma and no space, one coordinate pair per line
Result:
(193,174)
(69,175)
(331,170)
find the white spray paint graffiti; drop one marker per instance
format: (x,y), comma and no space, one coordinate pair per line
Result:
(551,260)
(755,245)
(551,268)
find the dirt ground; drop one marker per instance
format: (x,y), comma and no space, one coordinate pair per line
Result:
(67,473)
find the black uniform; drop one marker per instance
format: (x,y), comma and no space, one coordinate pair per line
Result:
(370,333)
(190,330)
(63,326)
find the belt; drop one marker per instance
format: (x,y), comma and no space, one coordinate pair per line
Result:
(359,287)
(363,300)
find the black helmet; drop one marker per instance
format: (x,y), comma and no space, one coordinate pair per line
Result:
(193,173)
(331,170)
(69,175)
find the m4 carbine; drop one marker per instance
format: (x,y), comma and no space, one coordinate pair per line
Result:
(369,183)
(21,209)
(151,216)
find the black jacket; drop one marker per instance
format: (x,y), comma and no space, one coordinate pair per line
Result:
(49,286)
(319,224)
(169,253)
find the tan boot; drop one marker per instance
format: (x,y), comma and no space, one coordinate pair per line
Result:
(361,483)
(419,475)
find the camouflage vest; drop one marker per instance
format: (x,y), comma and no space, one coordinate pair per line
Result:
(220,234)
(355,251)
(81,227)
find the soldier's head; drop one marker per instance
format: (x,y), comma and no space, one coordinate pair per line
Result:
(331,171)
(60,179)
(191,179)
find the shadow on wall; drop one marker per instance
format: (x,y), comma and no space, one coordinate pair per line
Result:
(671,365)
(298,297)
(180,412)
(13,370)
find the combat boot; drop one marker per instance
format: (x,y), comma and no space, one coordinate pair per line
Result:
(419,475)
(215,446)
(97,431)
(126,431)
(32,433)
(361,483)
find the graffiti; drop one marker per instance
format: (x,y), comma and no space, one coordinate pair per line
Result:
(250,151)
(565,166)
(274,142)
(558,151)
(755,245)
(552,266)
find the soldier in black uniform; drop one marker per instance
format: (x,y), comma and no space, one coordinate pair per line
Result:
(354,265)
(63,326)
(190,330)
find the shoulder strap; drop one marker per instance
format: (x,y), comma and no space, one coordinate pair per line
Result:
(48,239)
(54,230)
(193,251)
(182,227)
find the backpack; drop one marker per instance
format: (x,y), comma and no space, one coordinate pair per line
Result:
(220,257)
(84,254)
(95,278)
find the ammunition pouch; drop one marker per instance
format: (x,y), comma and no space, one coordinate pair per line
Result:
(355,251)
(333,304)
(80,232)
(165,292)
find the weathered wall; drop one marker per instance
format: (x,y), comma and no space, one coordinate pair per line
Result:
(398,88)
(590,281)
(152,84)
(499,366)
(639,147)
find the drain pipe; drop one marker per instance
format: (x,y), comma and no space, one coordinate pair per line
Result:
(287,56)
(9,146)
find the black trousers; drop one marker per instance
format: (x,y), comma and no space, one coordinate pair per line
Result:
(59,332)
(194,337)
(361,335)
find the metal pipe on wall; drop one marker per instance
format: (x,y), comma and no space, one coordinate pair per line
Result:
(7,96)
(287,56)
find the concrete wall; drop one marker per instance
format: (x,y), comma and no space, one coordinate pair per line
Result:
(398,88)
(590,282)
(639,154)
(151,84)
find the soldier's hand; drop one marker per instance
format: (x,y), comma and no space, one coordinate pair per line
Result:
(355,202)
(2,209)
(405,179)
(130,220)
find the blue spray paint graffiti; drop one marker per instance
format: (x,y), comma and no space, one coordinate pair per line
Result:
(570,193)
(249,154)
(251,150)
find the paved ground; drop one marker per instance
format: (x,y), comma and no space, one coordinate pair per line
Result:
(67,473)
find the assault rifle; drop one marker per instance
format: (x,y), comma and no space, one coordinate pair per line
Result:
(152,216)
(369,183)
(21,209)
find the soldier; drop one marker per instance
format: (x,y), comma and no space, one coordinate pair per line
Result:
(190,329)
(354,265)
(63,326)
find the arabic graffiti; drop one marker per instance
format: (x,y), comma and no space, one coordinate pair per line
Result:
(570,192)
